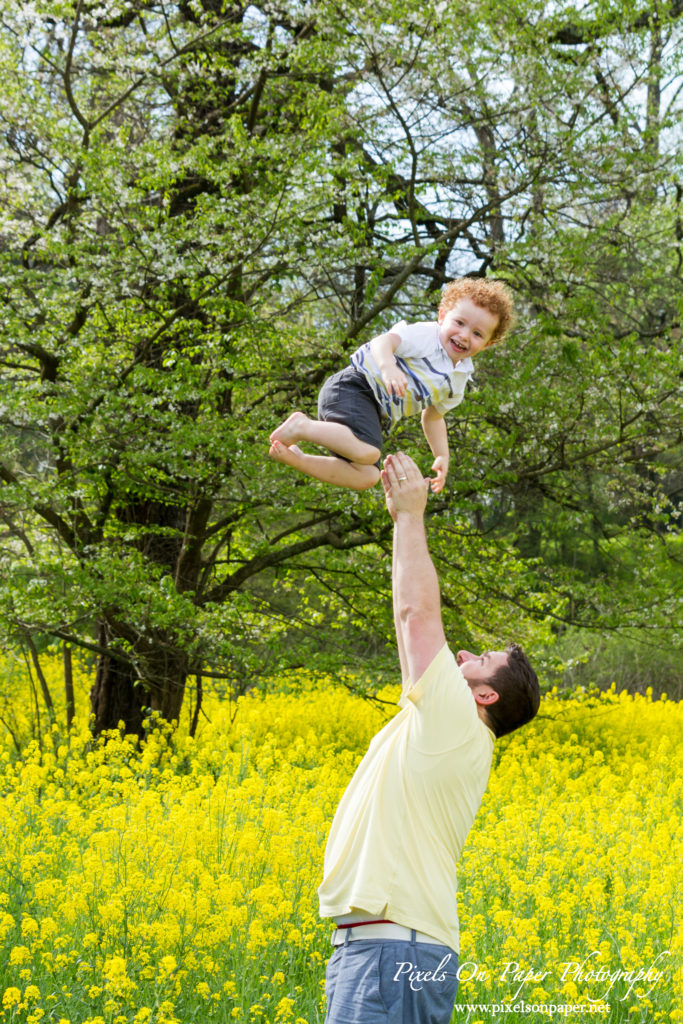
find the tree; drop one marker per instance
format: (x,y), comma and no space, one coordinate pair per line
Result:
(208,206)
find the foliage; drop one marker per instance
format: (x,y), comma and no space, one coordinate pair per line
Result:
(585,661)
(207,207)
(175,880)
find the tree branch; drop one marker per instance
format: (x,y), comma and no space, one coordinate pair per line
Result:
(273,558)
(575,34)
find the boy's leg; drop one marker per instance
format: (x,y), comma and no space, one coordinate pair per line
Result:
(336,437)
(327,468)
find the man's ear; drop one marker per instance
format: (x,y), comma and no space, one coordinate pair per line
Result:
(485,695)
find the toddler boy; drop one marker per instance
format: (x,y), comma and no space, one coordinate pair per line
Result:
(421,367)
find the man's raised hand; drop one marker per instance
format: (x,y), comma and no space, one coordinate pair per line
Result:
(405,488)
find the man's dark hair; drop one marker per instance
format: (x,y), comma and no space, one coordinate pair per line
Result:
(519,695)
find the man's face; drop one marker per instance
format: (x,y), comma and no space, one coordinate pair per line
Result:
(479,668)
(465,329)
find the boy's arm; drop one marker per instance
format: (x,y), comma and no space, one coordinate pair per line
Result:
(383,348)
(434,427)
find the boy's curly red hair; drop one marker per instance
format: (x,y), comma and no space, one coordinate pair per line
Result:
(492,295)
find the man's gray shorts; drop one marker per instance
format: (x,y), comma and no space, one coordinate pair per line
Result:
(391,982)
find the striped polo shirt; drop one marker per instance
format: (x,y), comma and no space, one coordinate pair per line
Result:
(432,377)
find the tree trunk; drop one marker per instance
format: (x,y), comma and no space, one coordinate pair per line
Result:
(128,691)
(116,695)
(142,670)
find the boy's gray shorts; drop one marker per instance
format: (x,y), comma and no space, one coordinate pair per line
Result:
(347,398)
(391,982)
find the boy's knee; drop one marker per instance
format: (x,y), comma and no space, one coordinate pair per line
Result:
(369,478)
(370,457)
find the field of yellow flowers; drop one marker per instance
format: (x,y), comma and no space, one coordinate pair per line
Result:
(177,882)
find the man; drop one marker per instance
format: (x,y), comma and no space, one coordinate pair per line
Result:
(389,880)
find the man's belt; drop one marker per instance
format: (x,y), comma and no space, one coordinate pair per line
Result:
(362,931)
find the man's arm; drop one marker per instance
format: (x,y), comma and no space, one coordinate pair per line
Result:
(417,600)
(398,625)
(436,432)
(405,675)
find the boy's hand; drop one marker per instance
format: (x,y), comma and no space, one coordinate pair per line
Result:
(395,381)
(440,467)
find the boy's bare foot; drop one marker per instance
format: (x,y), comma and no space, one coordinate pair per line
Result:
(290,431)
(289,454)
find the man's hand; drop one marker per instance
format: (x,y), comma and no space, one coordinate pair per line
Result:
(405,488)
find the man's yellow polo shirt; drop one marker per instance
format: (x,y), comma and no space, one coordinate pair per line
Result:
(403,820)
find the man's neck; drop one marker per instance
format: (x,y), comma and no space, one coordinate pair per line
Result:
(483,714)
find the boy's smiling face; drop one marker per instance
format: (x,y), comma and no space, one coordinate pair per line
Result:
(465,329)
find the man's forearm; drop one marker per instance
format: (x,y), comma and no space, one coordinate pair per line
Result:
(417,584)
(417,598)
(398,625)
